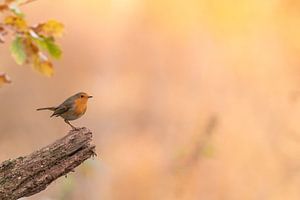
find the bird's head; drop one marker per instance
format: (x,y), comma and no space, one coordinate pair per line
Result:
(82,97)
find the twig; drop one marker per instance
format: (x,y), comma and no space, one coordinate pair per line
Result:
(26,2)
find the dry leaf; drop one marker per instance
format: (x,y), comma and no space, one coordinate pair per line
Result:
(3,7)
(4,79)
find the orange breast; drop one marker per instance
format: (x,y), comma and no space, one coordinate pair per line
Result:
(80,106)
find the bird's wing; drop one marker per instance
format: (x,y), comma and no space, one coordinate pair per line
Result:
(60,110)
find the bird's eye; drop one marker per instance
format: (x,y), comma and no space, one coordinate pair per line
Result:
(81,96)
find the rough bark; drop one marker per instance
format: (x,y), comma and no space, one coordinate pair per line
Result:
(28,175)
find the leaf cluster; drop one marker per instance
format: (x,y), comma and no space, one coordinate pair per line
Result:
(31,44)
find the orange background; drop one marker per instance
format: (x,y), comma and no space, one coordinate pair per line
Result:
(192,99)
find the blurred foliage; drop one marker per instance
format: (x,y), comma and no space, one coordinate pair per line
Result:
(4,79)
(31,44)
(200,146)
(72,182)
(67,188)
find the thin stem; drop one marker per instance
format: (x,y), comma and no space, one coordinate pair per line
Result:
(26,2)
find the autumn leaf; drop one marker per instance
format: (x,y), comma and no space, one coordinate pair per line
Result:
(4,79)
(3,7)
(49,45)
(30,42)
(51,28)
(30,47)
(18,51)
(16,22)
(36,58)
(43,65)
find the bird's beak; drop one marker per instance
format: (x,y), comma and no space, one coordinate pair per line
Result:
(90,96)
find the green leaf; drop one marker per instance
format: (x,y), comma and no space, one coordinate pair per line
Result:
(18,51)
(53,49)
(49,45)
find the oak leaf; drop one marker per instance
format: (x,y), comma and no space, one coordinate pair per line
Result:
(17,50)
(49,45)
(17,22)
(51,28)
(43,65)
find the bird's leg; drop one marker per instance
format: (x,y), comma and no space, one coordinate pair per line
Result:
(73,127)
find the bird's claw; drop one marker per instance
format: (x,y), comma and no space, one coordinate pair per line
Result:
(76,128)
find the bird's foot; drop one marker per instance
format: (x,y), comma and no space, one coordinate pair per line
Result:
(76,128)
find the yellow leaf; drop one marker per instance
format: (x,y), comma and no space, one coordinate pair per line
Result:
(43,65)
(4,79)
(17,22)
(52,28)
(46,68)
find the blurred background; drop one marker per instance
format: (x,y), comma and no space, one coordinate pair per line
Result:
(194,99)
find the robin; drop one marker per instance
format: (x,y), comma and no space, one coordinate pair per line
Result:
(71,109)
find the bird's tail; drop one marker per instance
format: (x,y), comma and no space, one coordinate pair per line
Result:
(47,108)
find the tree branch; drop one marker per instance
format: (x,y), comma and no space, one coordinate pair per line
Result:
(28,175)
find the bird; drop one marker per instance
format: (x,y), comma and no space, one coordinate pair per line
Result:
(72,108)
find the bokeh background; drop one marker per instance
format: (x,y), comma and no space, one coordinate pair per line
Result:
(194,99)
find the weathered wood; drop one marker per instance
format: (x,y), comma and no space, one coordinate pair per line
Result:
(28,175)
